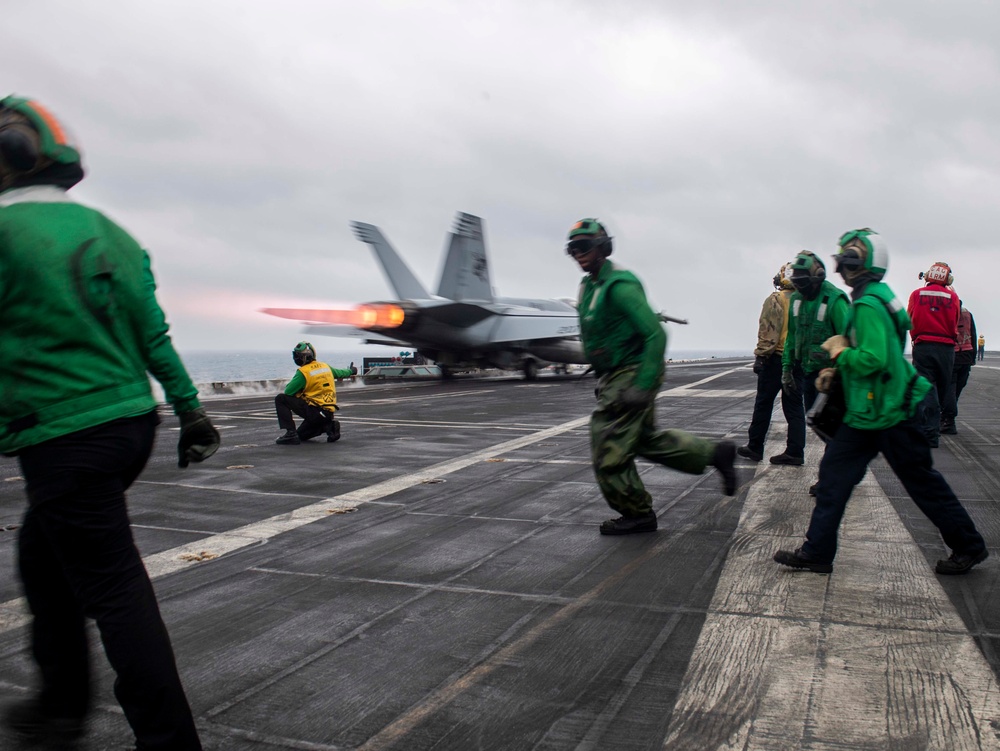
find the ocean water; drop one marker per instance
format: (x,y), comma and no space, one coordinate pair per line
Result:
(214,366)
(220,366)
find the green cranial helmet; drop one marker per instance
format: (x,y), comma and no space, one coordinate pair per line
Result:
(31,139)
(807,271)
(863,253)
(303,354)
(587,234)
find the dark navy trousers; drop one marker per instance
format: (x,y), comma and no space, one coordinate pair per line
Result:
(768,388)
(935,361)
(959,380)
(315,420)
(907,450)
(78,560)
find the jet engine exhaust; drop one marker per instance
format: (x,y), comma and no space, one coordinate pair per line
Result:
(373,316)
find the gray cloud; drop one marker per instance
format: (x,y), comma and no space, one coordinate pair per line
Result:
(716,139)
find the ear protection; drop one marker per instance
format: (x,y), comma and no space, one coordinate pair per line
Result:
(19,144)
(940,273)
(31,138)
(807,270)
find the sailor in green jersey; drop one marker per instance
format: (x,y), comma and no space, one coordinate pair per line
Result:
(817,311)
(81,332)
(625,343)
(885,410)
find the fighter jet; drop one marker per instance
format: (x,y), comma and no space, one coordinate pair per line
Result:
(464,324)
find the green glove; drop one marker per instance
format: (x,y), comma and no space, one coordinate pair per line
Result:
(199,438)
(788,384)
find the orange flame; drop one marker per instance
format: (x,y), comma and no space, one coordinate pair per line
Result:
(380,316)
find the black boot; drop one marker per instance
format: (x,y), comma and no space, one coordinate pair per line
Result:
(960,563)
(723,460)
(333,432)
(630,525)
(290,438)
(797,559)
(788,459)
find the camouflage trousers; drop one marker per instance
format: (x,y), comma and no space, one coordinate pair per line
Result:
(619,433)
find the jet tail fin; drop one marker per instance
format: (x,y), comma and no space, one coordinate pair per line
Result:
(466,272)
(397,273)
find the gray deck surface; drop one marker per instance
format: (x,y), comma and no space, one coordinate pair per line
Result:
(435,580)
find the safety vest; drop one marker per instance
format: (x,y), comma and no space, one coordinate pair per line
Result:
(814,325)
(321,388)
(982,341)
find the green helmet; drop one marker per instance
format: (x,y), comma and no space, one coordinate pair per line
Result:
(863,252)
(31,139)
(303,354)
(586,234)
(808,274)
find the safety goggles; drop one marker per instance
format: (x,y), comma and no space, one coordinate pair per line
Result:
(583,245)
(801,280)
(848,259)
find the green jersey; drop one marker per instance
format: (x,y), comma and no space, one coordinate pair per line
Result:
(81,324)
(881,387)
(618,328)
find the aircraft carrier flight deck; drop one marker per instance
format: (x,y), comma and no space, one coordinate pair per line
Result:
(436,580)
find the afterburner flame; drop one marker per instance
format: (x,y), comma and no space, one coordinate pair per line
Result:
(378,316)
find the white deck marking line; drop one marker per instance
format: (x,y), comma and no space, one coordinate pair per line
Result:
(247,491)
(396,399)
(392,421)
(872,656)
(13,613)
(712,393)
(688,389)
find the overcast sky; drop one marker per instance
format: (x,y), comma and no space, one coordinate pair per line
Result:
(236,139)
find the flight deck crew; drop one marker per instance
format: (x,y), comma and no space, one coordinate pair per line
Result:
(625,344)
(81,330)
(312,395)
(817,310)
(884,397)
(934,310)
(981,347)
(965,358)
(772,331)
